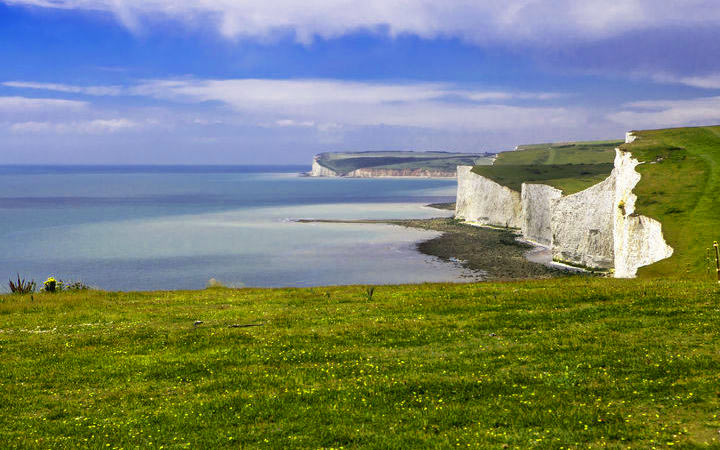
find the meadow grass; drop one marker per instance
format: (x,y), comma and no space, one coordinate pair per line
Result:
(597,152)
(680,187)
(562,363)
(569,178)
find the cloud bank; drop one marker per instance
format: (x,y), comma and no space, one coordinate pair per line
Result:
(327,104)
(326,114)
(711,81)
(669,113)
(18,105)
(540,22)
(337,106)
(97,126)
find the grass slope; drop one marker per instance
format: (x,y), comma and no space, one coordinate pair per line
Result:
(441,161)
(577,362)
(570,167)
(680,187)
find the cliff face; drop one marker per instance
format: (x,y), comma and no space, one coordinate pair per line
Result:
(321,171)
(595,228)
(481,200)
(582,226)
(318,170)
(378,173)
(638,240)
(537,212)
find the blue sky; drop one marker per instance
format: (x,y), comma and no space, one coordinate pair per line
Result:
(243,82)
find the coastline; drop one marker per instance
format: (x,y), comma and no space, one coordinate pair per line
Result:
(494,254)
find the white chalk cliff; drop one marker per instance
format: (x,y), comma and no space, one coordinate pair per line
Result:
(319,170)
(638,240)
(582,226)
(596,228)
(496,205)
(376,172)
(537,201)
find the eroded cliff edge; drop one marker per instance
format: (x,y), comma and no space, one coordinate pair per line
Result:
(596,228)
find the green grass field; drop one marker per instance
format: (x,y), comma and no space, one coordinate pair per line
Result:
(596,152)
(569,178)
(680,187)
(441,161)
(570,167)
(565,363)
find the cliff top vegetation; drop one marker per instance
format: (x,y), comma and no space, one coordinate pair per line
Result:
(343,163)
(680,187)
(593,152)
(570,167)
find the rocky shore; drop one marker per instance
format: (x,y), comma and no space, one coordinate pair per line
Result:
(494,254)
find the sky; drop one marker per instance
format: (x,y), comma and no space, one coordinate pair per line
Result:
(277,81)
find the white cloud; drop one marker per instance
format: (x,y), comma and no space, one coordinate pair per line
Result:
(97,126)
(495,96)
(87,90)
(293,123)
(669,113)
(321,102)
(24,105)
(288,91)
(45,115)
(544,22)
(313,113)
(244,93)
(711,81)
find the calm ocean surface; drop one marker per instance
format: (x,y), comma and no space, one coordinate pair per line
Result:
(146,228)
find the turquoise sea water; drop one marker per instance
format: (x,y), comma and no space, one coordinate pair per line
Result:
(146,228)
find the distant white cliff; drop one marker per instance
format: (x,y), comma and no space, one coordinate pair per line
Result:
(318,170)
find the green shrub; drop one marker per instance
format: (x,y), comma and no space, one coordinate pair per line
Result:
(76,286)
(52,285)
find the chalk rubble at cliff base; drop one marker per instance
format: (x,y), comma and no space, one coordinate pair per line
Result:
(596,228)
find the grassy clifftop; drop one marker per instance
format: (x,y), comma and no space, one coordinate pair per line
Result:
(591,152)
(680,184)
(570,167)
(680,187)
(343,163)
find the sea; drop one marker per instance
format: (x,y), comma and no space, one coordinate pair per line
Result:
(123,228)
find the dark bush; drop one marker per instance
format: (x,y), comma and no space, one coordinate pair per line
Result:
(22,286)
